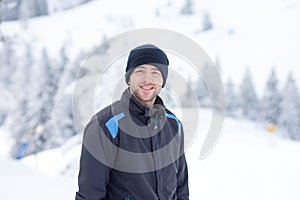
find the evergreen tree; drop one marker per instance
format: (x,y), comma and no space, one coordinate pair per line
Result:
(8,64)
(290,115)
(47,87)
(41,7)
(21,87)
(39,106)
(32,8)
(215,89)
(8,10)
(232,101)
(23,79)
(206,24)
(189,97)
(26,9)
(187,8)
(62,114)
(271,100)
(202,92)
(249,101)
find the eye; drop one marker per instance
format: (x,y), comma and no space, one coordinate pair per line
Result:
(139,71)
(156,73)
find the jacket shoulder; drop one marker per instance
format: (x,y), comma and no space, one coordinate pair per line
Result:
(108,118)
(175,122)
(108,112)
(171,115)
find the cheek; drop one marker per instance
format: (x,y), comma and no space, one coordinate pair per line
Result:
(136,79)
(159,87)
(132,81)
(159,80)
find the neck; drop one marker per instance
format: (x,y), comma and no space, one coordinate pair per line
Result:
(148,103)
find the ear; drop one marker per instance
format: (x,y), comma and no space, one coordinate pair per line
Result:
(128,83)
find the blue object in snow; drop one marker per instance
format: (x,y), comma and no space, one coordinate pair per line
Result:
(22,149)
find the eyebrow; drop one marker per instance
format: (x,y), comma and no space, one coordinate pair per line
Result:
(152,67)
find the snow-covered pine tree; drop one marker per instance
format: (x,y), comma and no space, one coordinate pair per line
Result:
(32,8)
(23,93)
(247,93)
(40,104)
(9,10)
(22,89)
(26,9)
(202,92)
(290,114)
(62,114)
(43,87)
(13,75)
(187,8)
(47,88)
(206,23)
(271,101)
(232,101)
(8,64)
(189,96)
(217,89)
(41,7)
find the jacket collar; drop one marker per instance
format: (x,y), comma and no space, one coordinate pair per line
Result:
(142,112)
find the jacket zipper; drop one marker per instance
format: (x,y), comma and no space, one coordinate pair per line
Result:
(155,122)
(152,149)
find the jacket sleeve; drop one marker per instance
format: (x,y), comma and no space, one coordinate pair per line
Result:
(182,176)
(96,157)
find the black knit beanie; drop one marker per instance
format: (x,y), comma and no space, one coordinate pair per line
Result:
(147,54)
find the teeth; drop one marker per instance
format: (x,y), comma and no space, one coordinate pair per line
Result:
(146,87)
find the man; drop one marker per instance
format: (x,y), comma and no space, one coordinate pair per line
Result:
(133,149)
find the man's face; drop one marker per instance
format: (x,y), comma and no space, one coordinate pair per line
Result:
(145,84)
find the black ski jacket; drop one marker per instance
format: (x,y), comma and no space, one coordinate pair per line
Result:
(131,152)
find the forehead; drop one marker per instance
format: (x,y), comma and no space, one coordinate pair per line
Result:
(147,66)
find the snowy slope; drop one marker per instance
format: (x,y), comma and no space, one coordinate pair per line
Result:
(248,163)
(21,182)
(255,34)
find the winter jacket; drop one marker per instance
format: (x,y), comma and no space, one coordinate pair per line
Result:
(131,152)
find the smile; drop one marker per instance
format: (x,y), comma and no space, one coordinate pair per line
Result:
(147,87)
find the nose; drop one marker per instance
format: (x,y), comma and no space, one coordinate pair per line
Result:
(148,78)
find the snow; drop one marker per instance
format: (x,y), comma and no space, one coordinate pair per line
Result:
(67,155)
(5,142)
(22,182)
(247,163)
(255,34)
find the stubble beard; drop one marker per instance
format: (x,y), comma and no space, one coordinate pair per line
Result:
(145,101)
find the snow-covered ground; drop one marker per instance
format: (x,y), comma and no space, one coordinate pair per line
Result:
(247,163)
(19,181)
